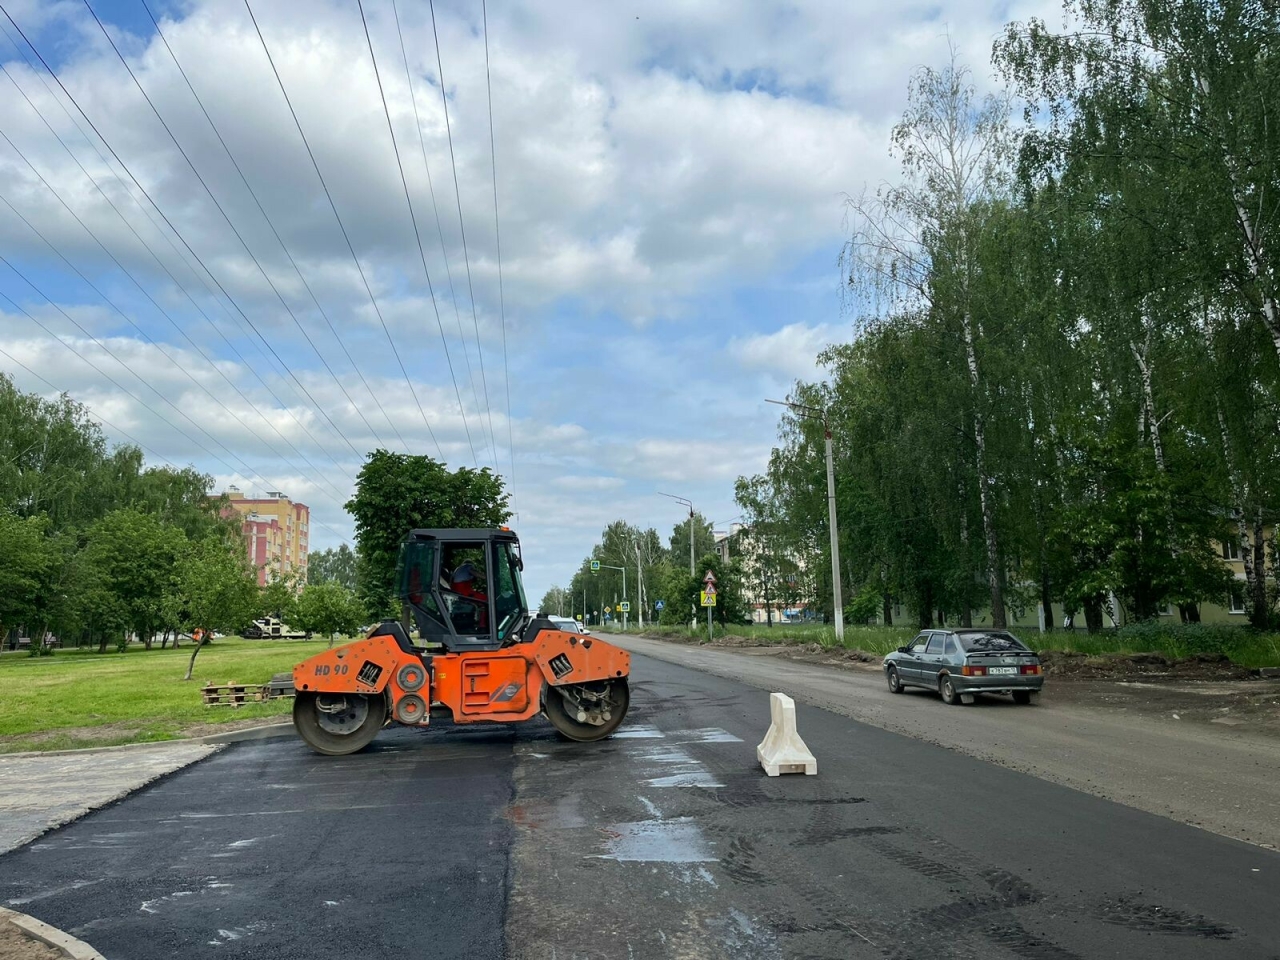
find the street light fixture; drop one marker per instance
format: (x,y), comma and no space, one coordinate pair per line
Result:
(806,412)
(688,503)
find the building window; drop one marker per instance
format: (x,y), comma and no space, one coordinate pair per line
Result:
(1166,610)
(1230,550)
(1235,599)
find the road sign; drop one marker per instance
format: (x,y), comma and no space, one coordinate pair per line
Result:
(659,605)
(710,590)
(708,598)
(595,566)
(625,606)
(709,578)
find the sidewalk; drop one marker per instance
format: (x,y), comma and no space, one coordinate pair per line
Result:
(40,792)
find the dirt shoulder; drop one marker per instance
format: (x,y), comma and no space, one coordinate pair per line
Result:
(1192,690)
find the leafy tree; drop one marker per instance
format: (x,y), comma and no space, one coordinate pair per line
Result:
(329,608)
(25,565)
(218,591)
(338,565)
(557,600)
(279,599)
(704,539)
(132,560)
(397,493)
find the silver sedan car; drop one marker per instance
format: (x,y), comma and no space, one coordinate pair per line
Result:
(962,663)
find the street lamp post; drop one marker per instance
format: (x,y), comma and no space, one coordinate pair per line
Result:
(688,503)
(812,413)
(608,566)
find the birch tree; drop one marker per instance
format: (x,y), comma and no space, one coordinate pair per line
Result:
(921,233)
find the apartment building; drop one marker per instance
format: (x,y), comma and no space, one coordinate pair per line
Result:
(276,534)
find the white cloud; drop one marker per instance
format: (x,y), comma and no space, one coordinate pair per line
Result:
(791,352)
(649,161)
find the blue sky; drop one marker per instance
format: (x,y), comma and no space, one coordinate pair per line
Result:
(671,181)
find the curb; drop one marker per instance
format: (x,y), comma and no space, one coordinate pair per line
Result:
(64,943)
(264,732)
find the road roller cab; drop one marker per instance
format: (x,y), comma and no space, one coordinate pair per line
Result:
(482,657)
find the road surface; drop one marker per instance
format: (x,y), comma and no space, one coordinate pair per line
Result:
(664,841)
(1219,778)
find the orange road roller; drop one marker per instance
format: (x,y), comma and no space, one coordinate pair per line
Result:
(484,659)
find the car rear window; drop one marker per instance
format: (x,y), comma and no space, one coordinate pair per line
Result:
(989,642)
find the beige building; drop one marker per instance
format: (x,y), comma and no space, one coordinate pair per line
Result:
(276,534)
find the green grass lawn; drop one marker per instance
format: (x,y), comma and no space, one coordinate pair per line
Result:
(1243,646)
(82,698)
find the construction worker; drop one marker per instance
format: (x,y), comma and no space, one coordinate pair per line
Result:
(465,583)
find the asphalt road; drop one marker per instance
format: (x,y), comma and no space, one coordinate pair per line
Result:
(664,841)
(1212,776)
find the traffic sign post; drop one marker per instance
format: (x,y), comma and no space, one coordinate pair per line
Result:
(625,607)
(709,599)
(595,566)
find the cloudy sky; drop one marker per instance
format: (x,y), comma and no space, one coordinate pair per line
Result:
(670,184)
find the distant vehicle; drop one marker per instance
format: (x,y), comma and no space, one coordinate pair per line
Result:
(962,663)
(269,628)
(567,624)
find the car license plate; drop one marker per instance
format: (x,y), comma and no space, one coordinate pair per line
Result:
(998,671)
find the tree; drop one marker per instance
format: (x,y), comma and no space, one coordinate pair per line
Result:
(25,565)
(704,540)
(329,608)
(132,561)
(218,591)
(558,601)
(916,245)
(334,564)
(397,493)
(279,598)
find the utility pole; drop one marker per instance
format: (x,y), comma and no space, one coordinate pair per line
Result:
(639,587)
(606,566)
(693,572)
(812,413)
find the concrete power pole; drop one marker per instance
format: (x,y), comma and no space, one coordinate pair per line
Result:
(837,589)
(837,592)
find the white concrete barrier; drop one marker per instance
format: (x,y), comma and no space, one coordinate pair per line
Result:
(782,750)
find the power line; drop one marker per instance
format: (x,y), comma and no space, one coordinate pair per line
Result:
(227,218)
(497,236)
(285,367)
(25,279)
(466,259)
(30,226)
(252,193)
(416,233)
(435,210)
(342,227)
(248,471)
(53,386)
(161,232)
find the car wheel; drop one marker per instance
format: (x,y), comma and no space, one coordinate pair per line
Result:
(1022,697)
(895,683)
(947,690)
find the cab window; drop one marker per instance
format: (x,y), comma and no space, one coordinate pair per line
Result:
(918,644)
(464,587)
(509,599)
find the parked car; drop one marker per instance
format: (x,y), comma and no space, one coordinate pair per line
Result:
(962,663)
(567,624)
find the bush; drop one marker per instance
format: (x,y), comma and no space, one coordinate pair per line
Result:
(1182,639)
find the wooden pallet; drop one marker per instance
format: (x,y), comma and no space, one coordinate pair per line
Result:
(231,694)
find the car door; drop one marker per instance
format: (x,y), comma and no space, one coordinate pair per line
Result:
(931,660)
(909,665)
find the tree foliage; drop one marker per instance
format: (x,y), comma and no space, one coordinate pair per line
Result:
(1064,386)
(397,493)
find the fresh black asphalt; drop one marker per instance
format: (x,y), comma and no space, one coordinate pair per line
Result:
(666,841)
